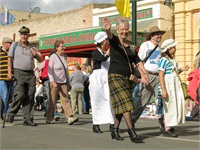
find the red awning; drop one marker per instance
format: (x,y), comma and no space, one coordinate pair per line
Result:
(84,51)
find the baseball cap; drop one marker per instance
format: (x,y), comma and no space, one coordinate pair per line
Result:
(24,30)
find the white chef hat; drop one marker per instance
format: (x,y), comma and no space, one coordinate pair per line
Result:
(100,36)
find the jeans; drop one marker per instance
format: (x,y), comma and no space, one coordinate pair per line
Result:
(135,93)
(83,103)
(6,92)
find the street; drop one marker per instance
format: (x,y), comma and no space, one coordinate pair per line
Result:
(80,135)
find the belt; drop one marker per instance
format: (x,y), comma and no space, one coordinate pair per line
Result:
(155,74)
(26,71)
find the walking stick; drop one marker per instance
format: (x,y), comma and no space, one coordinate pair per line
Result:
(7,103)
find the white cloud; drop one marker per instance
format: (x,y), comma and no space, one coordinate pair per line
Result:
(50,6)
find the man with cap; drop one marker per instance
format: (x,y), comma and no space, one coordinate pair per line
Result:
(6,84)
(21,57)
(151,90)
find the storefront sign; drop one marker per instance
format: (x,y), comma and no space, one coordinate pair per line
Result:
(141,14)
(70,39)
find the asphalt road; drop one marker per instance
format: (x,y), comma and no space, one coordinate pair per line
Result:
(80,136)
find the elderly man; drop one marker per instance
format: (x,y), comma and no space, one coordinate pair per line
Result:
(21,57)
(6,85)
(151,91)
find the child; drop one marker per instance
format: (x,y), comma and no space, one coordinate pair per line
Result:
(172,94)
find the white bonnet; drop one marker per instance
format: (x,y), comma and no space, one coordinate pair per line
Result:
(100,36)
(168,44)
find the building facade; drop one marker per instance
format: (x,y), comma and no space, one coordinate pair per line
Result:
(187,31)
(78,27)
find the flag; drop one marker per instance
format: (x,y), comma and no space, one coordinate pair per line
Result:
(123,7)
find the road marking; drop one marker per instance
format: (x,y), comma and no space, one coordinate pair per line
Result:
(159,137)
(178,139)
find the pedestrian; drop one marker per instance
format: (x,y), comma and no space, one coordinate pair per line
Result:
(150,91)
(58,78)
(6,84)
(41,72)
(120,70)
(98,87)
(172,93)
(39,96)
(21,57)
(87,70)
(77,79)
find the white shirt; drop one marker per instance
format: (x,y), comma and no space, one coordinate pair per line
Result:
(151,64)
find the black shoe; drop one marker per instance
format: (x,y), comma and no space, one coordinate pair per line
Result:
(170,133)
(133,135)
(111,127)
(10,118)
(115,134)
(133,124)
(96,129)
(29,123)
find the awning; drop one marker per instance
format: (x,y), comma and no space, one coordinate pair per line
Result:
(145,25)
(142,26)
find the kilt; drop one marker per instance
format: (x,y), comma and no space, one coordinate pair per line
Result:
(120,93)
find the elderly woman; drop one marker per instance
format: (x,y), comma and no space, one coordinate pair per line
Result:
(121,58)
(98,87)
(58,74)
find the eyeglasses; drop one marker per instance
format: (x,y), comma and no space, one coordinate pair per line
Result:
(62,46)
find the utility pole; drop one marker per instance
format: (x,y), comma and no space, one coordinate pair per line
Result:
(134,22)
(29,15)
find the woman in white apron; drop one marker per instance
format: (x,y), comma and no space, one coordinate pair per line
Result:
(172,94)
(98,87)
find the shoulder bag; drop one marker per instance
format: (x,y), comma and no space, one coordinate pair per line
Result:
(183,85)
(69,87)
(136,71)
(132,77)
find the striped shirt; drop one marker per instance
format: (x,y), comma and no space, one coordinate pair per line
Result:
(165,65)
(3,65)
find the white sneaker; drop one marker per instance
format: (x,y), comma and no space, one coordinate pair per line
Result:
(72,120)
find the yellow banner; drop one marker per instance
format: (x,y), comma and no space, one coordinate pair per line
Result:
(123,7)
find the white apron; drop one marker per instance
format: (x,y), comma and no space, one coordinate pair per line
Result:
(100,96)
(174,105)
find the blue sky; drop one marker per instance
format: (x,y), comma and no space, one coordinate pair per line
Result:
(49,6)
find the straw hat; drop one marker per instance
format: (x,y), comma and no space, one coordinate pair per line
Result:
(168,44)
(100,36)
(153,30)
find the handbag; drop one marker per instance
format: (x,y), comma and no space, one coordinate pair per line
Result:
(69,87)
(184,88)
(183,85)
(136,71)
(132,77)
